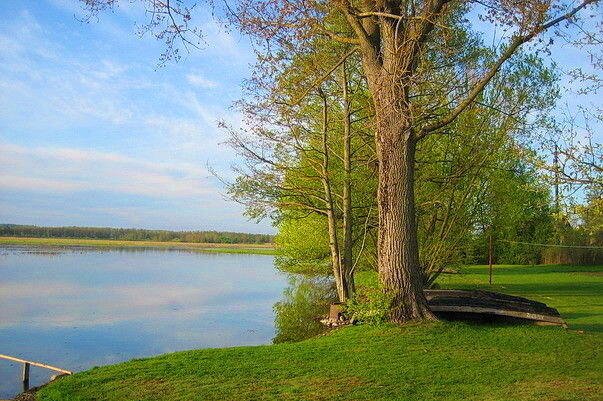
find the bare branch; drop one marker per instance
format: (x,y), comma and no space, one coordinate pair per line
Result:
(506,55)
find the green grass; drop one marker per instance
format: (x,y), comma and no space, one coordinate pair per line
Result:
(437,361)
(576,291)
(262,249)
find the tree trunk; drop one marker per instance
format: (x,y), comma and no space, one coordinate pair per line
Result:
(397,247)
(347,260)
(340,278)
(338,273)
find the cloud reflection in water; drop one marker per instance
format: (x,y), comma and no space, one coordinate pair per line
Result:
(82,308)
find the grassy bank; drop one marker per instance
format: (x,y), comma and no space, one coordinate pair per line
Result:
(262,249)
(438,361)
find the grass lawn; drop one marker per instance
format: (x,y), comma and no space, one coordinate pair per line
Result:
(262,249)
(437,361)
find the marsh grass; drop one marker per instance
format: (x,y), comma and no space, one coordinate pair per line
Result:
(261,249)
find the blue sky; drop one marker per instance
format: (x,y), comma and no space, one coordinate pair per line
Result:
(93,133)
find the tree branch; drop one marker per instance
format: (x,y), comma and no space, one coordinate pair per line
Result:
(322,78)
(506,55)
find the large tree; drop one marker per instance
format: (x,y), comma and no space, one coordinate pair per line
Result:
(284,166)
(395,39)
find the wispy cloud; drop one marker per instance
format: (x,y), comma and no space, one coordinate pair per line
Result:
(92,133)
(68,170)
(200,81)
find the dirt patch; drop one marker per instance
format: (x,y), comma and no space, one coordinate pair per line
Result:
(320,388)
(556,390)
(596,274)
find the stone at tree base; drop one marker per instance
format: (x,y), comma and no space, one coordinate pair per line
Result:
(336,311)
(336,316)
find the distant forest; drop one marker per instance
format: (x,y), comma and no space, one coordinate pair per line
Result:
(133,234)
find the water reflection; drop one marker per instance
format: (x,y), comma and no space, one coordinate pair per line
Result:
(305,301)
(78,308)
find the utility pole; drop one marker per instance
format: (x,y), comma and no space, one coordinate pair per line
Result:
(490,258)
(556,182)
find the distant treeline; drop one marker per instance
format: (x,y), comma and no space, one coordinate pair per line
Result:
(132,234)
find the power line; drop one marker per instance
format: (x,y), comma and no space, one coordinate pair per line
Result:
(552,245)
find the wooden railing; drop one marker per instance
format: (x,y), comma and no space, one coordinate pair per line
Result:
(28,364)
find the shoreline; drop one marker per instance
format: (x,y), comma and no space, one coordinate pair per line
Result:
(255,249)
(443,361)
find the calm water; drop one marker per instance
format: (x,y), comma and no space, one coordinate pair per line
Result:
(78,308)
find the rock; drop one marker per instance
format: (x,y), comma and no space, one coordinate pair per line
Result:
(336,316)
(336,311)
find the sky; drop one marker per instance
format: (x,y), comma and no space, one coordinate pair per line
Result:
(93,133)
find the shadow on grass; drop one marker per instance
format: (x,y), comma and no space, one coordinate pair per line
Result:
(587,326)
(492,321)
(505,270)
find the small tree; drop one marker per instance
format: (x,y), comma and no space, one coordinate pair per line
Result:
(303,161)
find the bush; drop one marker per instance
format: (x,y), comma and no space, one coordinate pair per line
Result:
(370,305)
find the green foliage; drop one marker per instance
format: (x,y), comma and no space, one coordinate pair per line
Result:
(586,229)
(470,178)
(439,361)
(474,177)
(515,208)
(370,305)
(591,215)
(303,246)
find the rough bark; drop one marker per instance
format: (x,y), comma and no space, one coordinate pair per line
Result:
(398,249)
(397,246)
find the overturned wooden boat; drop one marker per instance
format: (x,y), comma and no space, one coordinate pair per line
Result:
(490,306)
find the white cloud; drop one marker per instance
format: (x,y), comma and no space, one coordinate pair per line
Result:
(70,170)
(8,181)
(81,112)
(200,81)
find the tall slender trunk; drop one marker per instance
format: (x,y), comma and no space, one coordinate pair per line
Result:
(347,260)
(340,279)
(397,246)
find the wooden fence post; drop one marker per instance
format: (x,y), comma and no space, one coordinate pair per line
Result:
(490,259)
(26,366)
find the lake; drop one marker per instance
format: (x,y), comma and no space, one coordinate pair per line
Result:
(76,308)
